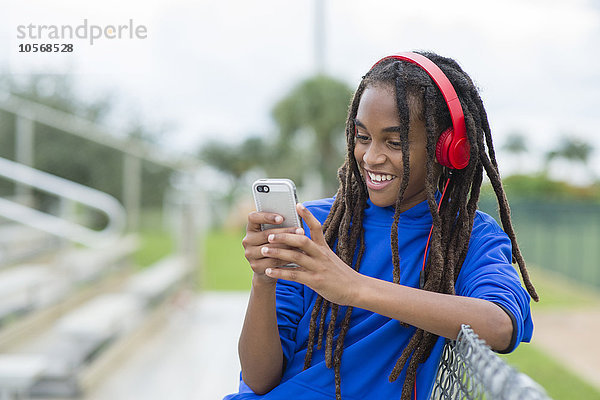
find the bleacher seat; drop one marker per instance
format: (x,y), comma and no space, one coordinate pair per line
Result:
(78,337)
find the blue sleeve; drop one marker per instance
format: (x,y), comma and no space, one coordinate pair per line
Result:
(289,302)
(488,274)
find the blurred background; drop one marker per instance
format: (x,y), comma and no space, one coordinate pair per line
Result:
(126,164)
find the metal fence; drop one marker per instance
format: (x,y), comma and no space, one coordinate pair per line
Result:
(470,370)
(559,236)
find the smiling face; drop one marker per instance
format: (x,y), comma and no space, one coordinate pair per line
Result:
(378,149)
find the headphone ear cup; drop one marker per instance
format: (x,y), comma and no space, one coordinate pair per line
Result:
(459,153)
(442,148)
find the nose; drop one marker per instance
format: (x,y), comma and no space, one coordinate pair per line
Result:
(373,155)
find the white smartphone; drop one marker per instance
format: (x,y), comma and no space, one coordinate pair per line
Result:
(277,196)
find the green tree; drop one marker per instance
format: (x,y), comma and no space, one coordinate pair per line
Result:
(235,161)
(516,145)
(571,149)
(576,152)
(309,139)
(311,120)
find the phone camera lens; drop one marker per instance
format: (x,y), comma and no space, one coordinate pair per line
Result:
(262,188)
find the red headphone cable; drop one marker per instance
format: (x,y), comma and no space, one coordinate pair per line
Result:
(422,274)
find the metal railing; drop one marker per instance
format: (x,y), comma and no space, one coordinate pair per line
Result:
(470,370)
(28,114)
(67,191)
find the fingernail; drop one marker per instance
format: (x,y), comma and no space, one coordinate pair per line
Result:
(268,271)
(278,219)
(271,237)
(264,250)
(299,231)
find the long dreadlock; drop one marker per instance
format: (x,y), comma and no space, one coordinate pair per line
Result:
(452,225)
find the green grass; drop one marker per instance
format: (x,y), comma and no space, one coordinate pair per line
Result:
(154,245)
(155,241)
(225,267)
(556,292)
(559,382)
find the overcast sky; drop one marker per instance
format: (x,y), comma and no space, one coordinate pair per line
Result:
(213,69)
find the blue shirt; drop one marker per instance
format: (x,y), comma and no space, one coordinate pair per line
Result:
(374,342)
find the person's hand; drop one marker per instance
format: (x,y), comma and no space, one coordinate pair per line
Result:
(320,268)
(256,239)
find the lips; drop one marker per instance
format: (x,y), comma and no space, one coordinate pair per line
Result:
(378,180)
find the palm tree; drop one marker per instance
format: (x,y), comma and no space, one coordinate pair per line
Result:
(235,161)
(309,142)
(516,144)
(311,120)
(574,150)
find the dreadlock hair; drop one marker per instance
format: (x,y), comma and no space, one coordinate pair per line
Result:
(417,96)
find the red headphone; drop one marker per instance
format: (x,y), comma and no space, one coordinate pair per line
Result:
(452,149)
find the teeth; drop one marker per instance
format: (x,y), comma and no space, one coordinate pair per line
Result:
(379,178)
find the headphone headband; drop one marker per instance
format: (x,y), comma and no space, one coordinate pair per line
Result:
(459,137)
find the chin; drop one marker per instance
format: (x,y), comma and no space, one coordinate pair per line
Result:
(379,202)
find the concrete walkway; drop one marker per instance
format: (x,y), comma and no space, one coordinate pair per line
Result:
(193,358)
(571,337)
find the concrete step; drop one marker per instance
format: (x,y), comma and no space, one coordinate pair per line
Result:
(159,280)
(87,264)
(29,287)
(33,296)
(18,372)
(101,318)
(78,341)
(78,337)
(19,243)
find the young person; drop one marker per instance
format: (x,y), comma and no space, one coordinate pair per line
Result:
(397,260)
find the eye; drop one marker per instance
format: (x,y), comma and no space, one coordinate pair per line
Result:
(395,144)
(362,138)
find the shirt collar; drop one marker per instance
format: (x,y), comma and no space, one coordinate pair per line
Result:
(414,216)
